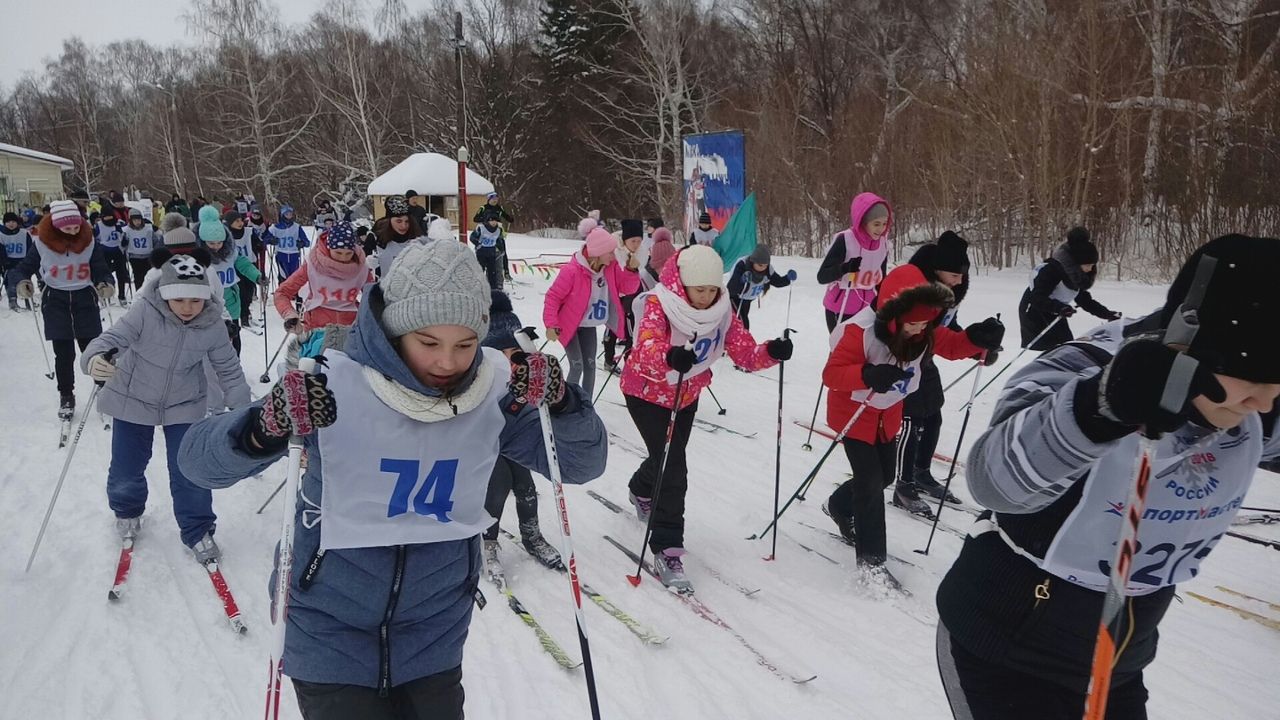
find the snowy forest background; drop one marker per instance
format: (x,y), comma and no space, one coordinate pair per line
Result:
(1155,122)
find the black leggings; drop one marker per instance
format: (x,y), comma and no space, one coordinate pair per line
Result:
(64,362)
(508,477)
(981,690)
(247,289)
(119,266)
(918,441)
(140,268)
(834,319)
(862,496)
(668,508)
(435,697)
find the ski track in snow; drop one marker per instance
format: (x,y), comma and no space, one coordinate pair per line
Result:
(166,650)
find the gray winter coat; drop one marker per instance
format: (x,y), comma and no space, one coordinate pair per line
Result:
(159,379)
(383,616)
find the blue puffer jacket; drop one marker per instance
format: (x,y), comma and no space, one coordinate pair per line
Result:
(381,617)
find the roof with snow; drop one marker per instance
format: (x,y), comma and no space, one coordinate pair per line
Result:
(61,162)
(429,174)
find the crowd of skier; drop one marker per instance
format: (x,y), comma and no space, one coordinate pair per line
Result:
(428,407)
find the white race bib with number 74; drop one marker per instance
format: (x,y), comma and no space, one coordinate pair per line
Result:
(391,480)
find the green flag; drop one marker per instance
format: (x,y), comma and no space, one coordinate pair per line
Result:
(738,238)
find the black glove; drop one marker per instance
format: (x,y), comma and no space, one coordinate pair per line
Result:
(292,323)
(536,379)
(851,265)
(1129,390)
(1114,315)
(986,334)
(882,378)
(298,405)
(990,358)
(681,359)
(1066,311)
(780,349)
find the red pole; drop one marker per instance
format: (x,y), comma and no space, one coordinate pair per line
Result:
(463,157)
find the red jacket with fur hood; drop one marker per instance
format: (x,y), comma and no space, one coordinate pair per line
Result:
(865,341)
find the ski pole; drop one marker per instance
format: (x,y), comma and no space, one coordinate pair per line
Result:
(66,465)
(262,292)
(266,372)
(35,315)
(717,401)
(657,485)
(777,452)
(272,496)
(284,566)
(818,400)
(1180,333)
(1021,352)
(804,484)
(951,472)
(525,339)
(955,382)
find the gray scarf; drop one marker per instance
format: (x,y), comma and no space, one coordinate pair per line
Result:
(1077,279)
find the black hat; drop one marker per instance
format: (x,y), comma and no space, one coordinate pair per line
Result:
(761,255)
(654,222)
(79,194)
(1080,247)
(503,323)
(1237,313)
(952,254)
(12,217)
(410,194)
(231,216)
(632,227)
(704,219)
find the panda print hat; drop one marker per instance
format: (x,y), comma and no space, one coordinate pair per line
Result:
(182,277)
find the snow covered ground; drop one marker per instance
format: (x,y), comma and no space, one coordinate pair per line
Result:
(166,651)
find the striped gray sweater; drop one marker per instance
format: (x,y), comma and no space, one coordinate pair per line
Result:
(1059,496)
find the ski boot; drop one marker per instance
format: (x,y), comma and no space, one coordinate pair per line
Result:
(906,497)
(670,569)
(844,523)
(492,565)
(128,528)
(933,488)
(643,506)
(124,302)
(13,305)
(67,407)
(538,547)
(206,550)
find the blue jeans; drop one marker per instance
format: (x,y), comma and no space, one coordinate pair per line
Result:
(127,482)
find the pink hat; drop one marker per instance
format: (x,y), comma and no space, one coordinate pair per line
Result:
(65,214)
(585,226)
(599,243)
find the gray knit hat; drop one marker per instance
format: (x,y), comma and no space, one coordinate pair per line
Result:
(183,277)
(439,283)
(760,255)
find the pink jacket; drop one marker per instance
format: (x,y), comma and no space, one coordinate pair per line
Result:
(645,374)
(873,251)
(566,302)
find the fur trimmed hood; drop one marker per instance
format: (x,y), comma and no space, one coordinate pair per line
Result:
(60,242)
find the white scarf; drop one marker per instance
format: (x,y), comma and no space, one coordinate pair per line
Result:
(689,320)
(424,408)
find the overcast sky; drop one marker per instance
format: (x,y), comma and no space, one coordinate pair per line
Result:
(30,36)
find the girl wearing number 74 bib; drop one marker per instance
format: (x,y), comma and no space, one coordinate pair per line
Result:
(585,295)
(402,427)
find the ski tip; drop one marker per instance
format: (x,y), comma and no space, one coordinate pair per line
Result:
(750,593)
(768,558)
(802,681)
(634,580)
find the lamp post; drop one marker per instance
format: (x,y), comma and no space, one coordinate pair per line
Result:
(463,158)
(171,134)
